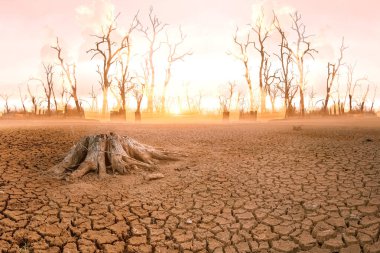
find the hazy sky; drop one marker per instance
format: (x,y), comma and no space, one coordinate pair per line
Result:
(28,28)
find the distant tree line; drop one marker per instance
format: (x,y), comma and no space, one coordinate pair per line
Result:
(286,83)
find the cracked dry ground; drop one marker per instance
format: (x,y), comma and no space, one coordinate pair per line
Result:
(243,188)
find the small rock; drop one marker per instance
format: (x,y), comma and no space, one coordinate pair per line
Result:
(189,221)
(154,176)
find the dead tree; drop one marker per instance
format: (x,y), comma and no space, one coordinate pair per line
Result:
(225,97)
(271,82)
(33,98)
(22,100)
(243,46)
(151,33)
(138,93)
(140,88)
(364,99)
(332,71)
(173,56)
(108,50)
(285,56)
(69,71)
(302,49)
(109,154)
(48,87)
(124,84)
(94,100)
(262,35)
(240,100)
(5,97)
(65,97)
(352,85)
(124,81)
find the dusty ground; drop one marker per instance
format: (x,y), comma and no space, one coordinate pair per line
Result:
(243,188)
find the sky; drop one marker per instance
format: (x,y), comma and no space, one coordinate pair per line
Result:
(29,28)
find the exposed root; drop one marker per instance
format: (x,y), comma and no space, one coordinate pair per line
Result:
(120,154)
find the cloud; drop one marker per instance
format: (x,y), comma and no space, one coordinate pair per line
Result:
(98,14)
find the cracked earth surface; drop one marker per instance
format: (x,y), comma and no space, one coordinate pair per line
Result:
(243,188)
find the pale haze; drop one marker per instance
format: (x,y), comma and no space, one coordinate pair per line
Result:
(28,28)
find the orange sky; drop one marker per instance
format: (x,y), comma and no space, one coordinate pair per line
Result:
(28,27)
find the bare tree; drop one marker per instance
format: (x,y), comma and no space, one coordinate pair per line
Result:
(332,71)
(108,50)
(303,48)
(65,97)
(140,87)
(94,100)
(262,35)
(352,85)
(33,98)
(22,100)
(271,82)
(48,86)
(225,97)
(138,93)
(363,99)
(151,33)
(124,82)
(5,97)
(240,100)
(285,56)
(243,46)
(69,72)
(173,56)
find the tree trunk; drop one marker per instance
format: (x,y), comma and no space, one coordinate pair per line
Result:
(107,154)
(76,100)
(249,83)
(105,101)
(326,100)
(48,107)
(262,90)
(350,101)
(302,103)
(263,95)
(163,109)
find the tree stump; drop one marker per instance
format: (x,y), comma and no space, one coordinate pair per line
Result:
(109,154)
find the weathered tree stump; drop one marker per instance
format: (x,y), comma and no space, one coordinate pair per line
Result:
(107,154)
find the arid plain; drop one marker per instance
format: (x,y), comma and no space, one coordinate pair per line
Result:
(275,186)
